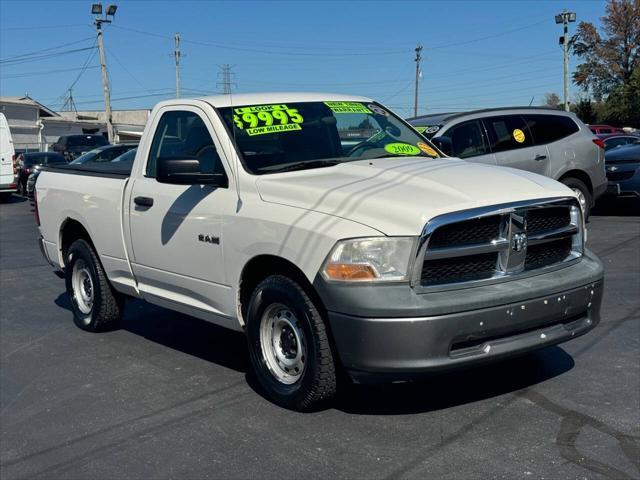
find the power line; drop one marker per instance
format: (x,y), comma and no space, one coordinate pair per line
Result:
(288,52)
(43,57)
(37,52)
(487,37)
(44,27)
(135,79)
(44,72)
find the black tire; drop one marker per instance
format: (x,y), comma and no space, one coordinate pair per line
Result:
(574,183)
(316,385)
(106,308)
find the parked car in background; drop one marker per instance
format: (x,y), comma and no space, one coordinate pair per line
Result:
(545,141)
(615,140)
(604,129)
(105,153)
(7,160)
(31,183)
(72,146)
(27,163)
(623,170)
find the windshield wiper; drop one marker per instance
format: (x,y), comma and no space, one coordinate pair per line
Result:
(303,165)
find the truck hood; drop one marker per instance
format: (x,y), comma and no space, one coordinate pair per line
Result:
(397,196)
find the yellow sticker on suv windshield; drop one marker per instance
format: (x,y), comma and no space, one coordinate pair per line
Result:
(261,119)
(347,107)
(401,149)
(518,135)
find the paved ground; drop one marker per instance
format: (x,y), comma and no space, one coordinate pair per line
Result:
(168,395)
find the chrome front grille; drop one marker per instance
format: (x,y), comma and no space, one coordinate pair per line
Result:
(491,244)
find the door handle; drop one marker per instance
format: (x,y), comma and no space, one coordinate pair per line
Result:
(539,157)
(143,201)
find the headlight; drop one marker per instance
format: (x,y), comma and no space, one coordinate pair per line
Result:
(380,259)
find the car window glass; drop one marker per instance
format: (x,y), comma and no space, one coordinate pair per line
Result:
(508,132)
(182,134)
(467,139)
(50,159)
(549,128)
(615,142)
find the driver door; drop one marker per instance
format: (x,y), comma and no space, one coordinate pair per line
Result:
(177,230)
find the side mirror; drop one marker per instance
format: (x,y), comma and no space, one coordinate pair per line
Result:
(186,171)
(444,144)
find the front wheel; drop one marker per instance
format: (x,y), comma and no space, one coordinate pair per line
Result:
(289,345)
(96,305)
(583,194)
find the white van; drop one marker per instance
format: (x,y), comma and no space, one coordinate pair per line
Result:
(7,157)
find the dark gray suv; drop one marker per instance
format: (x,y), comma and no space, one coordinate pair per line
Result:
(545,141)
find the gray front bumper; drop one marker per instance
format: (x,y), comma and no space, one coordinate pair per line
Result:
(392,333)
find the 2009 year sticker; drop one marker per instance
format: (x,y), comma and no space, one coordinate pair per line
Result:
(402,149)
(263,119)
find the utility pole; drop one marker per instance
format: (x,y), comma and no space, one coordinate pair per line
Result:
(176,54)
(565,17)
(418,51)
(227,75)
(96,9)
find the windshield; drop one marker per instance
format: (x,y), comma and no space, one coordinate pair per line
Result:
(86,156)
(292,136)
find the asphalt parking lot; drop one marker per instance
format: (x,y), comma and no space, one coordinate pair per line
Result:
(168,396)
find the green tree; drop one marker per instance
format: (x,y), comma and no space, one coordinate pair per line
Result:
(611,61)
(585,110)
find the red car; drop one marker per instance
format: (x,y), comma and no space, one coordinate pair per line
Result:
(599,129)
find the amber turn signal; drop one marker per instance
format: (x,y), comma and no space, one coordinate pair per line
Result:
(347,271)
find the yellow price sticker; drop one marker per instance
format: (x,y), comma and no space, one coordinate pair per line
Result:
(347,107)
(518,135)
(258,119)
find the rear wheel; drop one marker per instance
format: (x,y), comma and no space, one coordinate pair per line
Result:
(582,192)
(96,305)
(289,345)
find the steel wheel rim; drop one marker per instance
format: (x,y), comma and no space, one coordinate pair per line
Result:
(82,286)
(581,198)
(283,344)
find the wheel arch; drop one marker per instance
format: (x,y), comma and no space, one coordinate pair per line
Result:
(580,175)
(260,267)
(70,231)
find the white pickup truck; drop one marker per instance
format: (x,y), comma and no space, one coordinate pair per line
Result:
(331,233)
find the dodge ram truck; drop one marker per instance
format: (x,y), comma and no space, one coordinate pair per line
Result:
(330,233)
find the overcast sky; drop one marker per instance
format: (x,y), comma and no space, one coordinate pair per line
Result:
(476,53)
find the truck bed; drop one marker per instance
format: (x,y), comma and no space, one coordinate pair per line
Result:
(94,198)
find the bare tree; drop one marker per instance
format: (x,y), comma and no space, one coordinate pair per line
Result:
(552,100)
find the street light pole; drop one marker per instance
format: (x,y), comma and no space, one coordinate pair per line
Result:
(564,18)
(96,9)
